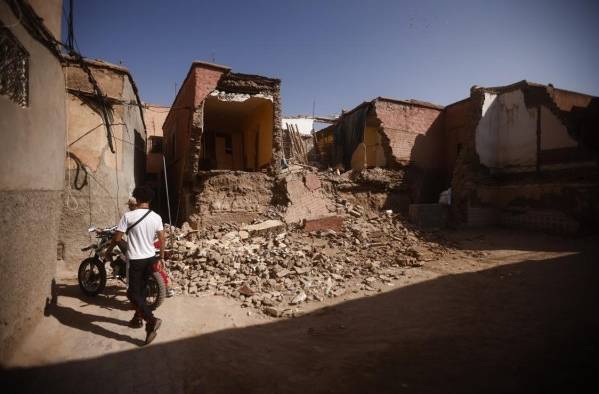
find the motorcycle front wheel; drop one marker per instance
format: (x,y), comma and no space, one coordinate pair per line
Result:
(155,291)
(91,276)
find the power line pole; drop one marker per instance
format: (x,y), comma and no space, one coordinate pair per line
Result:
(70,31)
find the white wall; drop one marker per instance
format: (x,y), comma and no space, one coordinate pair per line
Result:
(305,125)
(506,136)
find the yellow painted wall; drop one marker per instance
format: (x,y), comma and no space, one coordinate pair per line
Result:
(370,152)
(259,121)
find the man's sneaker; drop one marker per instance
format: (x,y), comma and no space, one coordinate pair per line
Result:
(136,322)
(152,329)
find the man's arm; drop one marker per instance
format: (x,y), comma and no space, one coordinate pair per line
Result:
(118,235)
(162,240)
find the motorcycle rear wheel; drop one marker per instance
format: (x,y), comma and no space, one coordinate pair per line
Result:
(91,276)
(155,291)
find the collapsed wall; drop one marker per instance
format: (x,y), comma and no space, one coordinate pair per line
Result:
(219,120)
(230,197)
(521,165)
(295,195)
(399,135)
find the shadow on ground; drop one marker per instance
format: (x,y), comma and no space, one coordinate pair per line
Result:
(109,298)
(498,238)
(527,327)
(81,320)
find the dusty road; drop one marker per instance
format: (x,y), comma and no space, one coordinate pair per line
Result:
(509,312)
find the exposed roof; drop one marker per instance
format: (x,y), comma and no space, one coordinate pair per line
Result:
(253,77)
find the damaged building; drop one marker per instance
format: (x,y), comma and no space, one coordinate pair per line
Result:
(524,155)
(221,121)
(402,135)
(106,150)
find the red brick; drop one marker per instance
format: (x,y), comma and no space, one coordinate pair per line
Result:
(312,182)
(327,223)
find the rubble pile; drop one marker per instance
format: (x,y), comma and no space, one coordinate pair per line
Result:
(276,267)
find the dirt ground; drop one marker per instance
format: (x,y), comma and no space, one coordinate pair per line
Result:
(507,312)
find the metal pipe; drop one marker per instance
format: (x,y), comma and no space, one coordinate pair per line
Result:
(168,200)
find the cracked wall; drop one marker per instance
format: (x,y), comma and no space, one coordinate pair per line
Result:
(519,164)
(98,182)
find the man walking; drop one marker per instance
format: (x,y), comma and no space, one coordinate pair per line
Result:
(141,226)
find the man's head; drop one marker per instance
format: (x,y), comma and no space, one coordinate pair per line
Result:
(132,203)
(143,194)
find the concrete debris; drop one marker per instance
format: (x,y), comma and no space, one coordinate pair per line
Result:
(268,265)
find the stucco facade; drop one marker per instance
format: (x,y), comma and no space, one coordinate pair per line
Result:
(31,176)
(99,181)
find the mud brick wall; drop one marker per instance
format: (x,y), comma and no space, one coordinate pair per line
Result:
(456,124)
(413,133)
(305,198)
(229,196)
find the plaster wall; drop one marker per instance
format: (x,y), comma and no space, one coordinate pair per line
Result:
(51,13)
(31,181)
(506,136)
(155,116)
(370,153)
(260,122)
(99,182)
(375,153)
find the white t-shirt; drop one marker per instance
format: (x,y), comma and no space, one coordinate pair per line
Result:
(140,240)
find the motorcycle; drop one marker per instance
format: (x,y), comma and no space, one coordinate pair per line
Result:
(92,275)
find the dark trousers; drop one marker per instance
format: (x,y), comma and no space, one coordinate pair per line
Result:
(139,272)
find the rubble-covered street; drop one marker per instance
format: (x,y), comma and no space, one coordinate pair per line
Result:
(467,318)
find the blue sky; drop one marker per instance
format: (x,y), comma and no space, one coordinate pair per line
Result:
(340,53)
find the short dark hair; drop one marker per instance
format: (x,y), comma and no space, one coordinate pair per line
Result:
(143,194)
